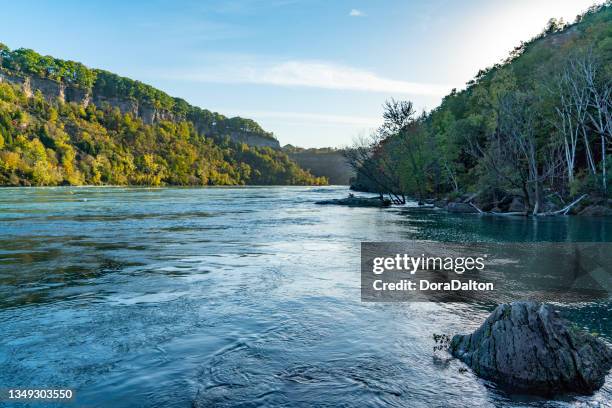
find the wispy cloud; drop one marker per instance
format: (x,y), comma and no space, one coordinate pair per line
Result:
(312,74)
(356,13)
(304,117)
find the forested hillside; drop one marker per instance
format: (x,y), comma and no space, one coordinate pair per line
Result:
(325,162)
(63,123)
(536,126)
(71,81)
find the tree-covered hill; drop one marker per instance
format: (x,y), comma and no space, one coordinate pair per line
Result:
(74,82)
(536,126)
(92,138)
(325,162)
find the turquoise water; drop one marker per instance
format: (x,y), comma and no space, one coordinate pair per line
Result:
(238,296)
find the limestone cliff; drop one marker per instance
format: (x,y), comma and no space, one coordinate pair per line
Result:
(208,123)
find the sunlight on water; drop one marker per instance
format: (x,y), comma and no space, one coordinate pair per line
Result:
(221,296)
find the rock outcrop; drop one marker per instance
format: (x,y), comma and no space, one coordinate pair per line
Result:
(527,347)
(54,91)
(517,205)
(463,208)
(596,211)
(353,201)
(149,114)
(254,139)
(50,89)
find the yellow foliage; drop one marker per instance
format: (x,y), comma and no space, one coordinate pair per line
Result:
(44,174)
(52,115)
(9,161)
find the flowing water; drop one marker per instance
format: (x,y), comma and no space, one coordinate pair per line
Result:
(239,296)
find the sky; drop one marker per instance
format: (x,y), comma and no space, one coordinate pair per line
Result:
(314,72)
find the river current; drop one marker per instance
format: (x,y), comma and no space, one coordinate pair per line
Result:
(180,297)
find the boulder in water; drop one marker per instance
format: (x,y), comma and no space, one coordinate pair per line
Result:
(353,201)
(527,347)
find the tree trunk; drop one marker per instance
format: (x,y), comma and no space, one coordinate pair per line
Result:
(603,165)
(538,194)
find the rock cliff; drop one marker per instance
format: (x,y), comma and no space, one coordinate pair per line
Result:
(57,91)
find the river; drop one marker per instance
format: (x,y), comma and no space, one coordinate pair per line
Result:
(174,297)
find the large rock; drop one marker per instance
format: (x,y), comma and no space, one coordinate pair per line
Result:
(517,205)
(353,201)
(440,203)
(549,206)
(596,211)
(463,208)
(54,91)
(527,347)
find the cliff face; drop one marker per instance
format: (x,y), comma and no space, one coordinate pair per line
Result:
(50,89)
(253,139)
(54,91)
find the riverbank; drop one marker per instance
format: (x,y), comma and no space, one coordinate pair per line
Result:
(507,205)
(510,204)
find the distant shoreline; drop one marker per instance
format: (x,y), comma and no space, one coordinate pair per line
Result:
(176,186)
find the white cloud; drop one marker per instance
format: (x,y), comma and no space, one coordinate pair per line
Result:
(313,74)
(356,13)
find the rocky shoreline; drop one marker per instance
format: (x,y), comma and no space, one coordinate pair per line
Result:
(511,204)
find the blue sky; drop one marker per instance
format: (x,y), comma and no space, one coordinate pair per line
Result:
(314,72)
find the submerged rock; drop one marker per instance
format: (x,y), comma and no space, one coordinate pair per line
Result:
(527,347)
(353,201)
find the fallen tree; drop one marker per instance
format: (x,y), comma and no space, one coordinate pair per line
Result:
(562,211)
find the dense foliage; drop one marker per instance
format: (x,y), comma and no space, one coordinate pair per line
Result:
(109,85)
(65,143)
(537,124)
(323,161)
